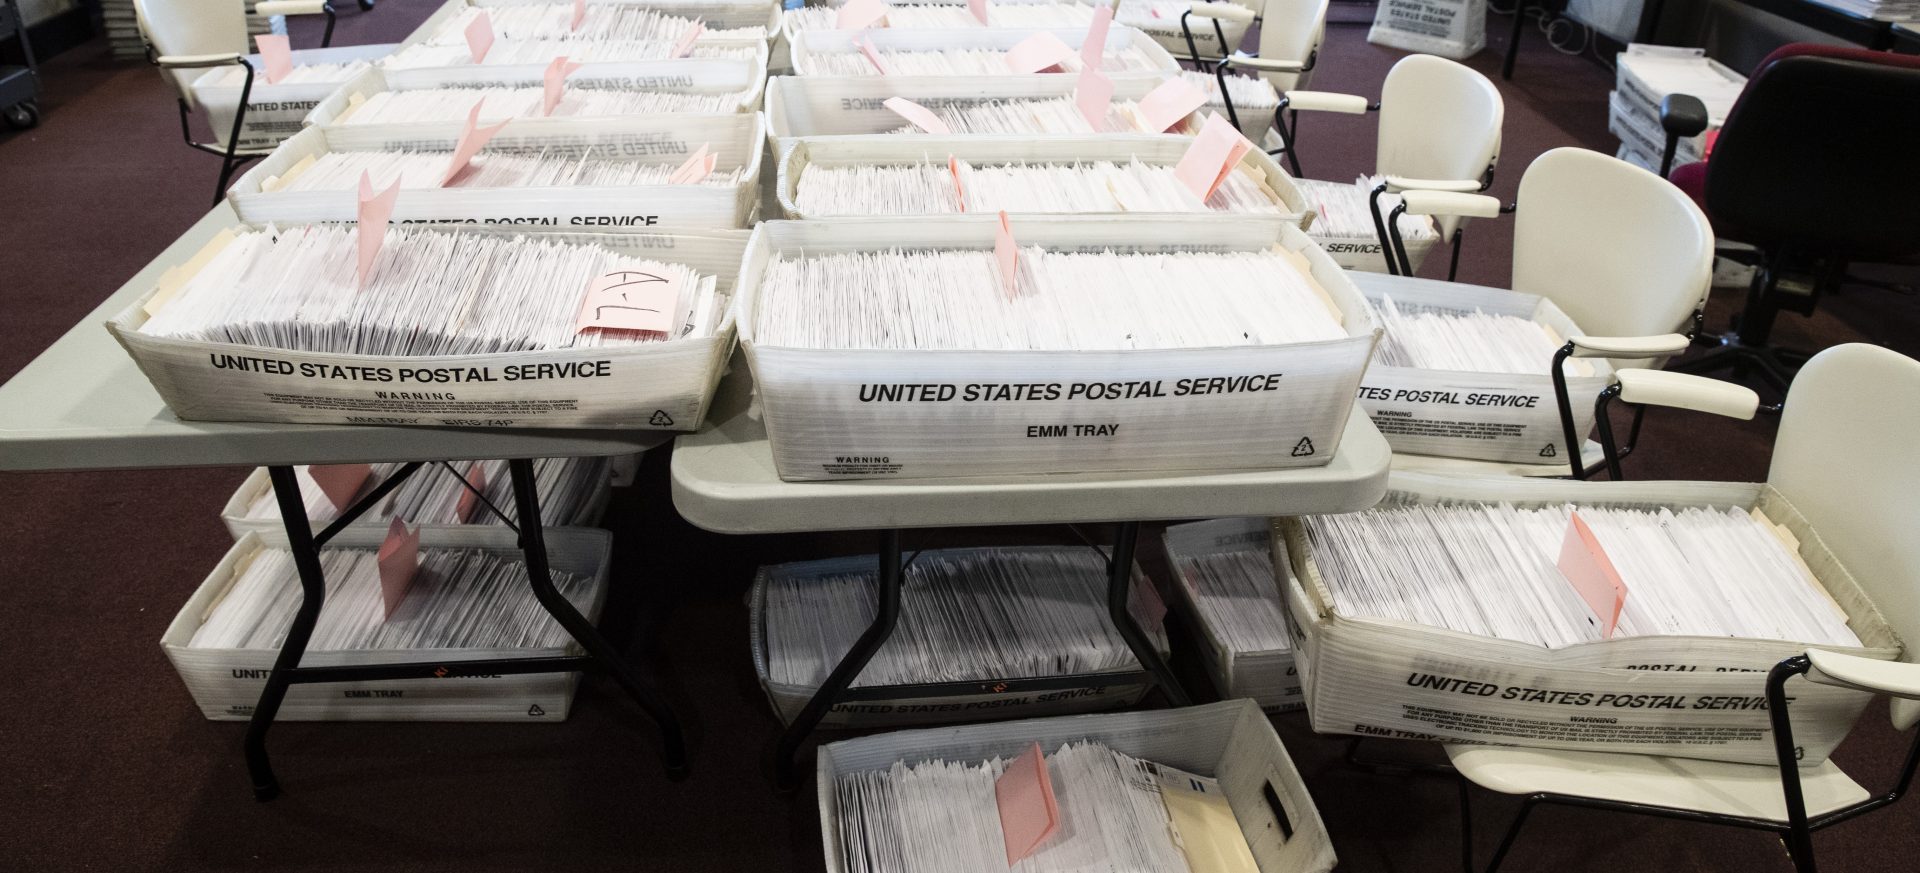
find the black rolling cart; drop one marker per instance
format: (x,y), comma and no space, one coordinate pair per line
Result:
(19,84)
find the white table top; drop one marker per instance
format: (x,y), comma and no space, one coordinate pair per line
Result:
(83,404)
(724,481)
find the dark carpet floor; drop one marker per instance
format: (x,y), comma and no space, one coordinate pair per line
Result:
(109,766)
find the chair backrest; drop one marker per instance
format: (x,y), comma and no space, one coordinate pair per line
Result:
(1291,30)
(192,27)
(1816,155)
(1438,120)
(1621,250)
(1845,458)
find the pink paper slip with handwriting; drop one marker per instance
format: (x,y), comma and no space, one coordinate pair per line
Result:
(276,55)
(1093,49)
(473,138)
(861,14)
(1008,254)
(340,482)
(556,83)
(921,116)
(1039,53)
(630,300)
(1175,99)
(1029,814)
(399,560)
(371,232)
(480,37)
(1586,566)
(1092,96)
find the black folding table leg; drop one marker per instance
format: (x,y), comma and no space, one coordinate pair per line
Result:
(533,545)
(313,589)
(1126,535)
(876,635)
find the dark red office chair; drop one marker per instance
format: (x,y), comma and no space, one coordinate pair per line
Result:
(1815,167)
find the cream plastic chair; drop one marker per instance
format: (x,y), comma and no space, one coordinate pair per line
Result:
(187,37)
(1291,32)
(1623,253)
(1844,458)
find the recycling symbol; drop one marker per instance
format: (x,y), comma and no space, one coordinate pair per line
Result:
(1303,448)
(661,419)
(1548,452)
(535,711)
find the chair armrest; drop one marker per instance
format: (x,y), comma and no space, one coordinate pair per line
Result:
(1397,184)
(188,62)
(1223,11)
(1892,678)
(1326,101)
(1267,65)
(1628,346)
(1451,203)
(1683,391)
(1683,115)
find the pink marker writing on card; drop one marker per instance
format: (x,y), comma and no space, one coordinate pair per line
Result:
(1166,105)
(1093,49)
(1591,572)
(473,138)
(340,482)
(480,37)
(861,14)
(1093,95)
(1040,53)
(1029,813)
(371,231)
(1007,253)
(276,55)
(556,83)
(921,116)
(399,562)
(630,299)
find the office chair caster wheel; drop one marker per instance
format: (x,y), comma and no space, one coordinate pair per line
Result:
(366,5)
(23,116)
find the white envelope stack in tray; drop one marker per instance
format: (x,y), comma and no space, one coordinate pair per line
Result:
(977,616)
(576,173)
(950,366)
(231,336)
(470,600)
(1175,790)
(1463,372)
(976,52)
(1255,101)
(276,110)
(936,15)
(1345,228)
(657,20)
(1223,574)
(1644,76)
(422,62)
(1160,19)
(1479,637)
(691,85)
(719,14)
(573,493)
(1114,173)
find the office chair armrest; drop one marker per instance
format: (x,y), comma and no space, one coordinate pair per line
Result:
(1893,678)
(1450,203)
(1222,11)
(1683,115)
(188,62)
(1326,101)
(1683,391)
(1628,346)
(270,8)
(1397,184)
(1266,65)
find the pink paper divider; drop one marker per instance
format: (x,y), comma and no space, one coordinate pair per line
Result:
(695,167)
(555,81)
(371,231)
(480,37)
(979,10)
(1093,96)
(921,116)
(1093,49)
(639,300)
(1213,154)
(864,43)
(685,46)
(1586,565)
(399,562)
(340,482)
(1007,252)
(1174,99)
(579,15)
(861,14)
(1038,53)
(276,55)
(959,188)
(1029,812)
(473,138)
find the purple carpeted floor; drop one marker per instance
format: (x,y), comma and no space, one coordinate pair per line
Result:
(110,767)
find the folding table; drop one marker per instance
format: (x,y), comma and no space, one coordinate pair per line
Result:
(724,481)
(84,405)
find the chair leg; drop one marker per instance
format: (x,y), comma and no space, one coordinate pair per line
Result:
(1513,833)
(1453,266)
(1466,825)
